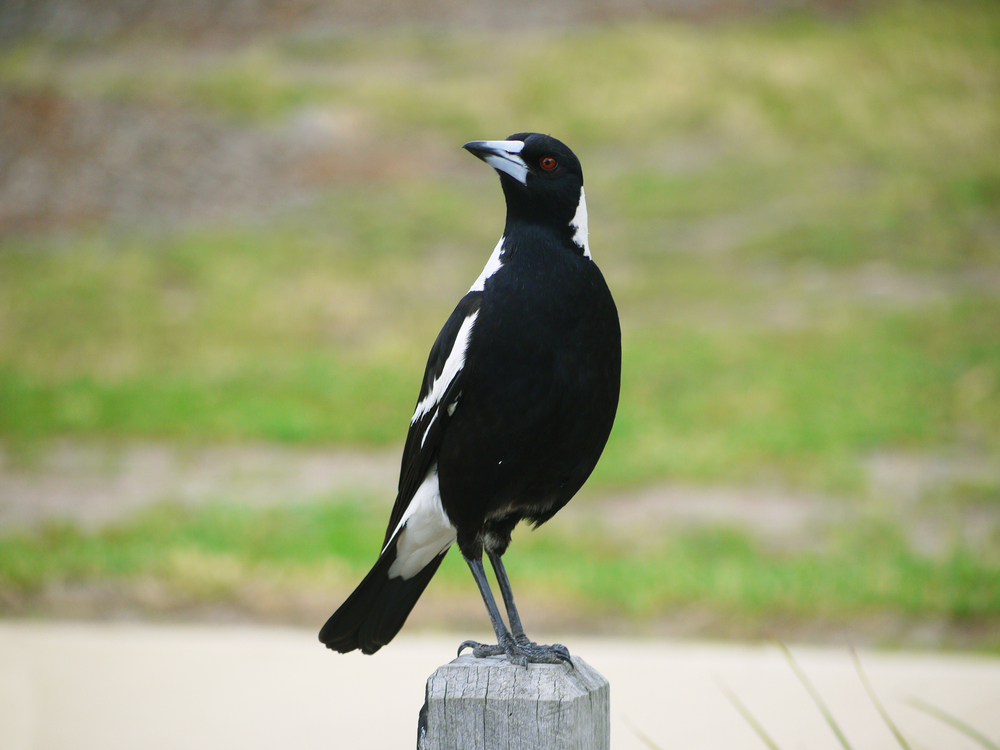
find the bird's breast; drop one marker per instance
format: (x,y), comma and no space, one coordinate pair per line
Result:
(542,373)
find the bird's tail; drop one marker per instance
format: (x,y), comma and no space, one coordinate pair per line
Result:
(379,606)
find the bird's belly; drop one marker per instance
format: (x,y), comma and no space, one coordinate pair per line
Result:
(527,461)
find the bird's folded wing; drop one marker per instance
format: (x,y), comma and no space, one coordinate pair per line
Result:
(440,395)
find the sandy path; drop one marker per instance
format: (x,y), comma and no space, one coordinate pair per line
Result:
(83,687)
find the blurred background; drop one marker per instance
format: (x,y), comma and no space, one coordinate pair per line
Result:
(230,231)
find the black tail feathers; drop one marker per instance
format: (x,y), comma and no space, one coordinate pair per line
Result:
(375,612)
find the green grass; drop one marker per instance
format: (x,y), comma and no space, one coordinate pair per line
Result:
(233,334)
(798,220)
(725,401)
(214,552)
(154,542)
(866,569)
(816,146)
(797,217)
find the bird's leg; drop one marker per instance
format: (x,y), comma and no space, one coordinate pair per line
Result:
(521,653)
(557,650)
(504,639)
(517,630)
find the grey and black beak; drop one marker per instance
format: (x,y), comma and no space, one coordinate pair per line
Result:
(502,156)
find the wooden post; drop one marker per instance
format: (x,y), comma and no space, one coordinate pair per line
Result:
(491,704)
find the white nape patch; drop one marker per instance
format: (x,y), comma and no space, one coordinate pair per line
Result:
(579,223)
(452,366)
(424,531)
(492,266)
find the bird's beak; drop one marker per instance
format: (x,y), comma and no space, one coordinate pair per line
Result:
(502,156)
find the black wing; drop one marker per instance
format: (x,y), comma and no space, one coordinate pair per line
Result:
(439,395)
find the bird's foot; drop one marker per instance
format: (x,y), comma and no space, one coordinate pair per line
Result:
(520,651)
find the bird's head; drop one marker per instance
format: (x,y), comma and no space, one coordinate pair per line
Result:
(542,181)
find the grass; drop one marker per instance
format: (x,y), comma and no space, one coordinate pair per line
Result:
(968,731)
(798,290)
(217,552)
(161,540)
(733,573)
(798,219)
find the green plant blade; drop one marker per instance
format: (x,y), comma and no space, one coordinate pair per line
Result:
(641,737)
(955,722)
(878,704)
(814,694)
(745,712)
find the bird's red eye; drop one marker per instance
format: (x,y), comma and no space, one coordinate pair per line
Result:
(548,163)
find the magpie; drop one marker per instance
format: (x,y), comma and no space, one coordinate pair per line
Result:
(517,403)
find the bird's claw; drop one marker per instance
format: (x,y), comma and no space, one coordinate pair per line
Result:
(520,651)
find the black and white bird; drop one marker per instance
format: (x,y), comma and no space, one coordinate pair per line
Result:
(517,403)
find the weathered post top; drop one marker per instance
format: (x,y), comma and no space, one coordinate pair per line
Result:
(490,704)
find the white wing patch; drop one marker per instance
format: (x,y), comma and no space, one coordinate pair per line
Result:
(427,429)
(492,266)
(424,531)
(579,223)
(452,366)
